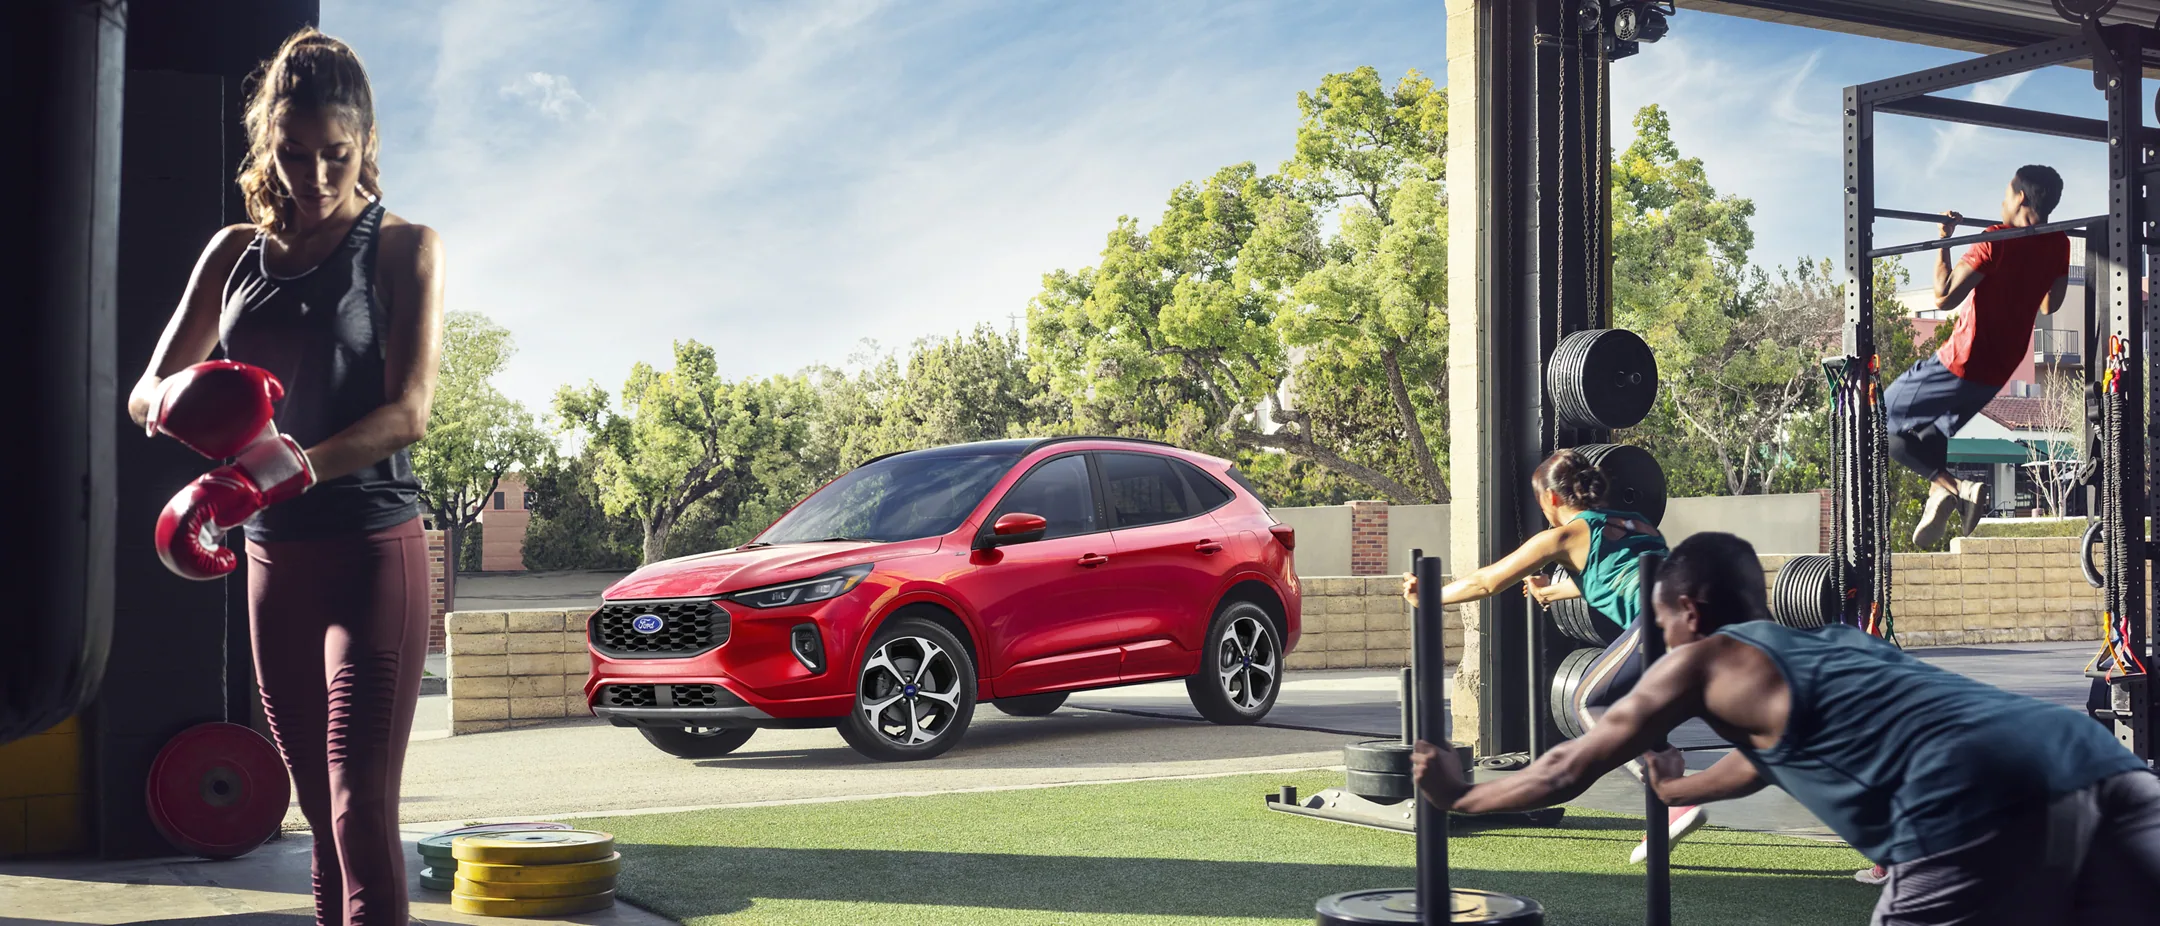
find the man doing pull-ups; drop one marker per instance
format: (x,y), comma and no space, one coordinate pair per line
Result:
(2010,282)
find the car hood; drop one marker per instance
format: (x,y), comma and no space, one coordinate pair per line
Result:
(723,571)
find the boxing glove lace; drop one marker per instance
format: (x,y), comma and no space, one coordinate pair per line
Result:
(217,408)
(191,529)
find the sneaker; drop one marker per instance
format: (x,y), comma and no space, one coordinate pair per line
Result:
(1680,822)
(1875,875)
(1935,517)
(1973,499)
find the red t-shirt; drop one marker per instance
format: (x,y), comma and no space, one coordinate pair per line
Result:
(1994,333)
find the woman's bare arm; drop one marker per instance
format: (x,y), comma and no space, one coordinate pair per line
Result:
(412,273)
(1547,547)
(192,333)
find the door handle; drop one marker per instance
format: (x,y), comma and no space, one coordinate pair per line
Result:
(1094,559)
(1208,546)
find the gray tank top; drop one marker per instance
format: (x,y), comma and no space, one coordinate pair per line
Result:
(321,333)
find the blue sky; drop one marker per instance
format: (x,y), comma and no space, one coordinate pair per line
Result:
(784,179)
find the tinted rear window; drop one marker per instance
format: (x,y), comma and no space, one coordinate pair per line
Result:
(1240,479)
(1212,494)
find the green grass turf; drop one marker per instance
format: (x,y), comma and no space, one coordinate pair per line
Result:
(1176,852)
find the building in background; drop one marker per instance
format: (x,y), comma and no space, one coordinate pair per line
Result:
(503,520)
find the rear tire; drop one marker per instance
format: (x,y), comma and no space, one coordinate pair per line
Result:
(914,694)
(1035,705)
(697,742)
(1241,668)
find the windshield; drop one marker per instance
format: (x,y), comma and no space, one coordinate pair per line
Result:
(897,498)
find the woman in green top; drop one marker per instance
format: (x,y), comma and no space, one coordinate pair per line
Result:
(1598,548)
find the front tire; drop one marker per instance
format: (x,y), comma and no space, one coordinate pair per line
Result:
(1035,705)
(697,742)
(914,695)
(1241,669)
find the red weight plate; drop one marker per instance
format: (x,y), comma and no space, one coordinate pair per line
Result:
(218,790)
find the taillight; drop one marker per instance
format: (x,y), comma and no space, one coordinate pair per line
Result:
(1285,535)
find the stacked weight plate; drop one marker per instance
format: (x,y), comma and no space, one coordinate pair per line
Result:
(1805,595)
(537,873)
(1566,680)
(1603,378)
(438,867)
(1637,482)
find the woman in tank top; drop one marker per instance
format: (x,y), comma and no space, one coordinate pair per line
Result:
(1598,549)
(342,302)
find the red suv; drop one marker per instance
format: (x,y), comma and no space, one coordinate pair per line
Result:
(1014,571)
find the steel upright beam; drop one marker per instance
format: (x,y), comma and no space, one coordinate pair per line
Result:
(1988,115)
(2128,318)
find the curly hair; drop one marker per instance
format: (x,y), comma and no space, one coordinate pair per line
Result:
(1571,476)
(311,72)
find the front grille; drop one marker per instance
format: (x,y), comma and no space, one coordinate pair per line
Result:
(687,628)
(667,696)
(698,696)
(628,696)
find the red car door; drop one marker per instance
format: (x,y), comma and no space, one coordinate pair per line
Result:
(1043,604)
(1173,559)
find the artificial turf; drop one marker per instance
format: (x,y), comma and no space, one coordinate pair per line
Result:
(1177,852)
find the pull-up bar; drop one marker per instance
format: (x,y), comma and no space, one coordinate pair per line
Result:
(1935,218)
(2066,225)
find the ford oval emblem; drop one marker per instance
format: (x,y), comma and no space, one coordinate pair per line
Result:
(647,623)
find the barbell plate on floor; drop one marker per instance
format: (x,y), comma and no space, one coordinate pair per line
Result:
(532,890)
(218,790)
(438,846)
(540,874)
(1379,787)
(434,880)
(1805,594)
(1378,756)
(1637,482)
(553,847)
(1399,905)
(536,906)
(1603,378)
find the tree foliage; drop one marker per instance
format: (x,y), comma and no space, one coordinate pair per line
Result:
(475,434)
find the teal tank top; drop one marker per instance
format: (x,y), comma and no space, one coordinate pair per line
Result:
(1904,760)
(1609,580)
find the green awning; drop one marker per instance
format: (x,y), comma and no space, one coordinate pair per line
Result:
(1987,450)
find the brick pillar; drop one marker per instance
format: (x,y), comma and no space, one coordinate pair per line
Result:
(1829,518)
(436,604)
(1368,538)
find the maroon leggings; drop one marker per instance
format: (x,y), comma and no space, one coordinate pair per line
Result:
(340,626)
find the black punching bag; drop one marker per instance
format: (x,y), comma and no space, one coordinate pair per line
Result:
(61,66)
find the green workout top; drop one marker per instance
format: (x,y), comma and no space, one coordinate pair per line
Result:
(1610,582)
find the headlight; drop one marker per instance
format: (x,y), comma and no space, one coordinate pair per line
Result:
(831,585)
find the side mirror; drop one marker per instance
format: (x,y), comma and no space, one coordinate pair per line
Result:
(1013,527)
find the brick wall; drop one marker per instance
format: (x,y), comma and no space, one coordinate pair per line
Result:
(1360,622)
(1989,590)
(515,668)
(1829,519)
(437,605)
(1368,538)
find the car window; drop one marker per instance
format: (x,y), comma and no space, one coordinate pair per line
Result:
(1238,476)
(1059,493)
(897,498)
(1212,494)
(1144,489)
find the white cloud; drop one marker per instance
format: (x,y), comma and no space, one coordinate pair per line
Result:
(552,94)
(1956,138)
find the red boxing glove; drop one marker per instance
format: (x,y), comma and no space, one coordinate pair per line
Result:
(191,529)
(217,408)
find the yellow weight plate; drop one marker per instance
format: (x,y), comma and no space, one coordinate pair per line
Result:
(541,874)
(539,906)
(512,890)
(545,847)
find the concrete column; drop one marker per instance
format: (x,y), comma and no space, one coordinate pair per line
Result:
(1466,335)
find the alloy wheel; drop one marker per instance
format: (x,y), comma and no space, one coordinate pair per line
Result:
(1247,662)
(910,691)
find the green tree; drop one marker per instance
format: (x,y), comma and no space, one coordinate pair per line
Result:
(569,528)
(1236,327)
(475,434)
(688,435)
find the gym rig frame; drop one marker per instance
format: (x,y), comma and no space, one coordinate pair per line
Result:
(2118,380)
